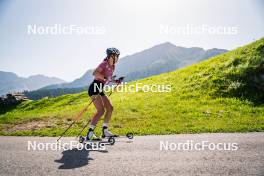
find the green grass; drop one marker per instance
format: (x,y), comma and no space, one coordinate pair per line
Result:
(218,95)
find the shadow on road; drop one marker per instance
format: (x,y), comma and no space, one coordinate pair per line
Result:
(75,158)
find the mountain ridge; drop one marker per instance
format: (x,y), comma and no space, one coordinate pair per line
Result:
(11,82)
(158,59)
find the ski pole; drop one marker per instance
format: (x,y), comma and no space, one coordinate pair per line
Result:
(76,118)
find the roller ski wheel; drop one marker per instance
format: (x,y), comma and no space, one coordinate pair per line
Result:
(130,135)
(81,139)
(111,140)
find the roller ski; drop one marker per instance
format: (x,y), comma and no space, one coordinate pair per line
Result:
(91,138)
(108,134)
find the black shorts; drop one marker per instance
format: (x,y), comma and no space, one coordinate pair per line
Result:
(95,88)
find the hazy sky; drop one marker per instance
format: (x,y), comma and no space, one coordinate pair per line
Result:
(130,25)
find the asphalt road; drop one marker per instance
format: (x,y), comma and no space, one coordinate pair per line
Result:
(140,157)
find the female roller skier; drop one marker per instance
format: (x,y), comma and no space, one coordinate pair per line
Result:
(102,74)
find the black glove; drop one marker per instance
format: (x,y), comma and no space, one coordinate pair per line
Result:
(113,77)
(119,80)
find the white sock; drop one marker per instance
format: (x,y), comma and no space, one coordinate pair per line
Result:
(105,124)
(92,127)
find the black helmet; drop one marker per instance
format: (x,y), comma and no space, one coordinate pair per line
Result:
(112,51)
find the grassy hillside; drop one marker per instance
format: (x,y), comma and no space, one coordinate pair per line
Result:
(222,94)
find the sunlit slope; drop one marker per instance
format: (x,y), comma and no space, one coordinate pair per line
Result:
(222,94)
